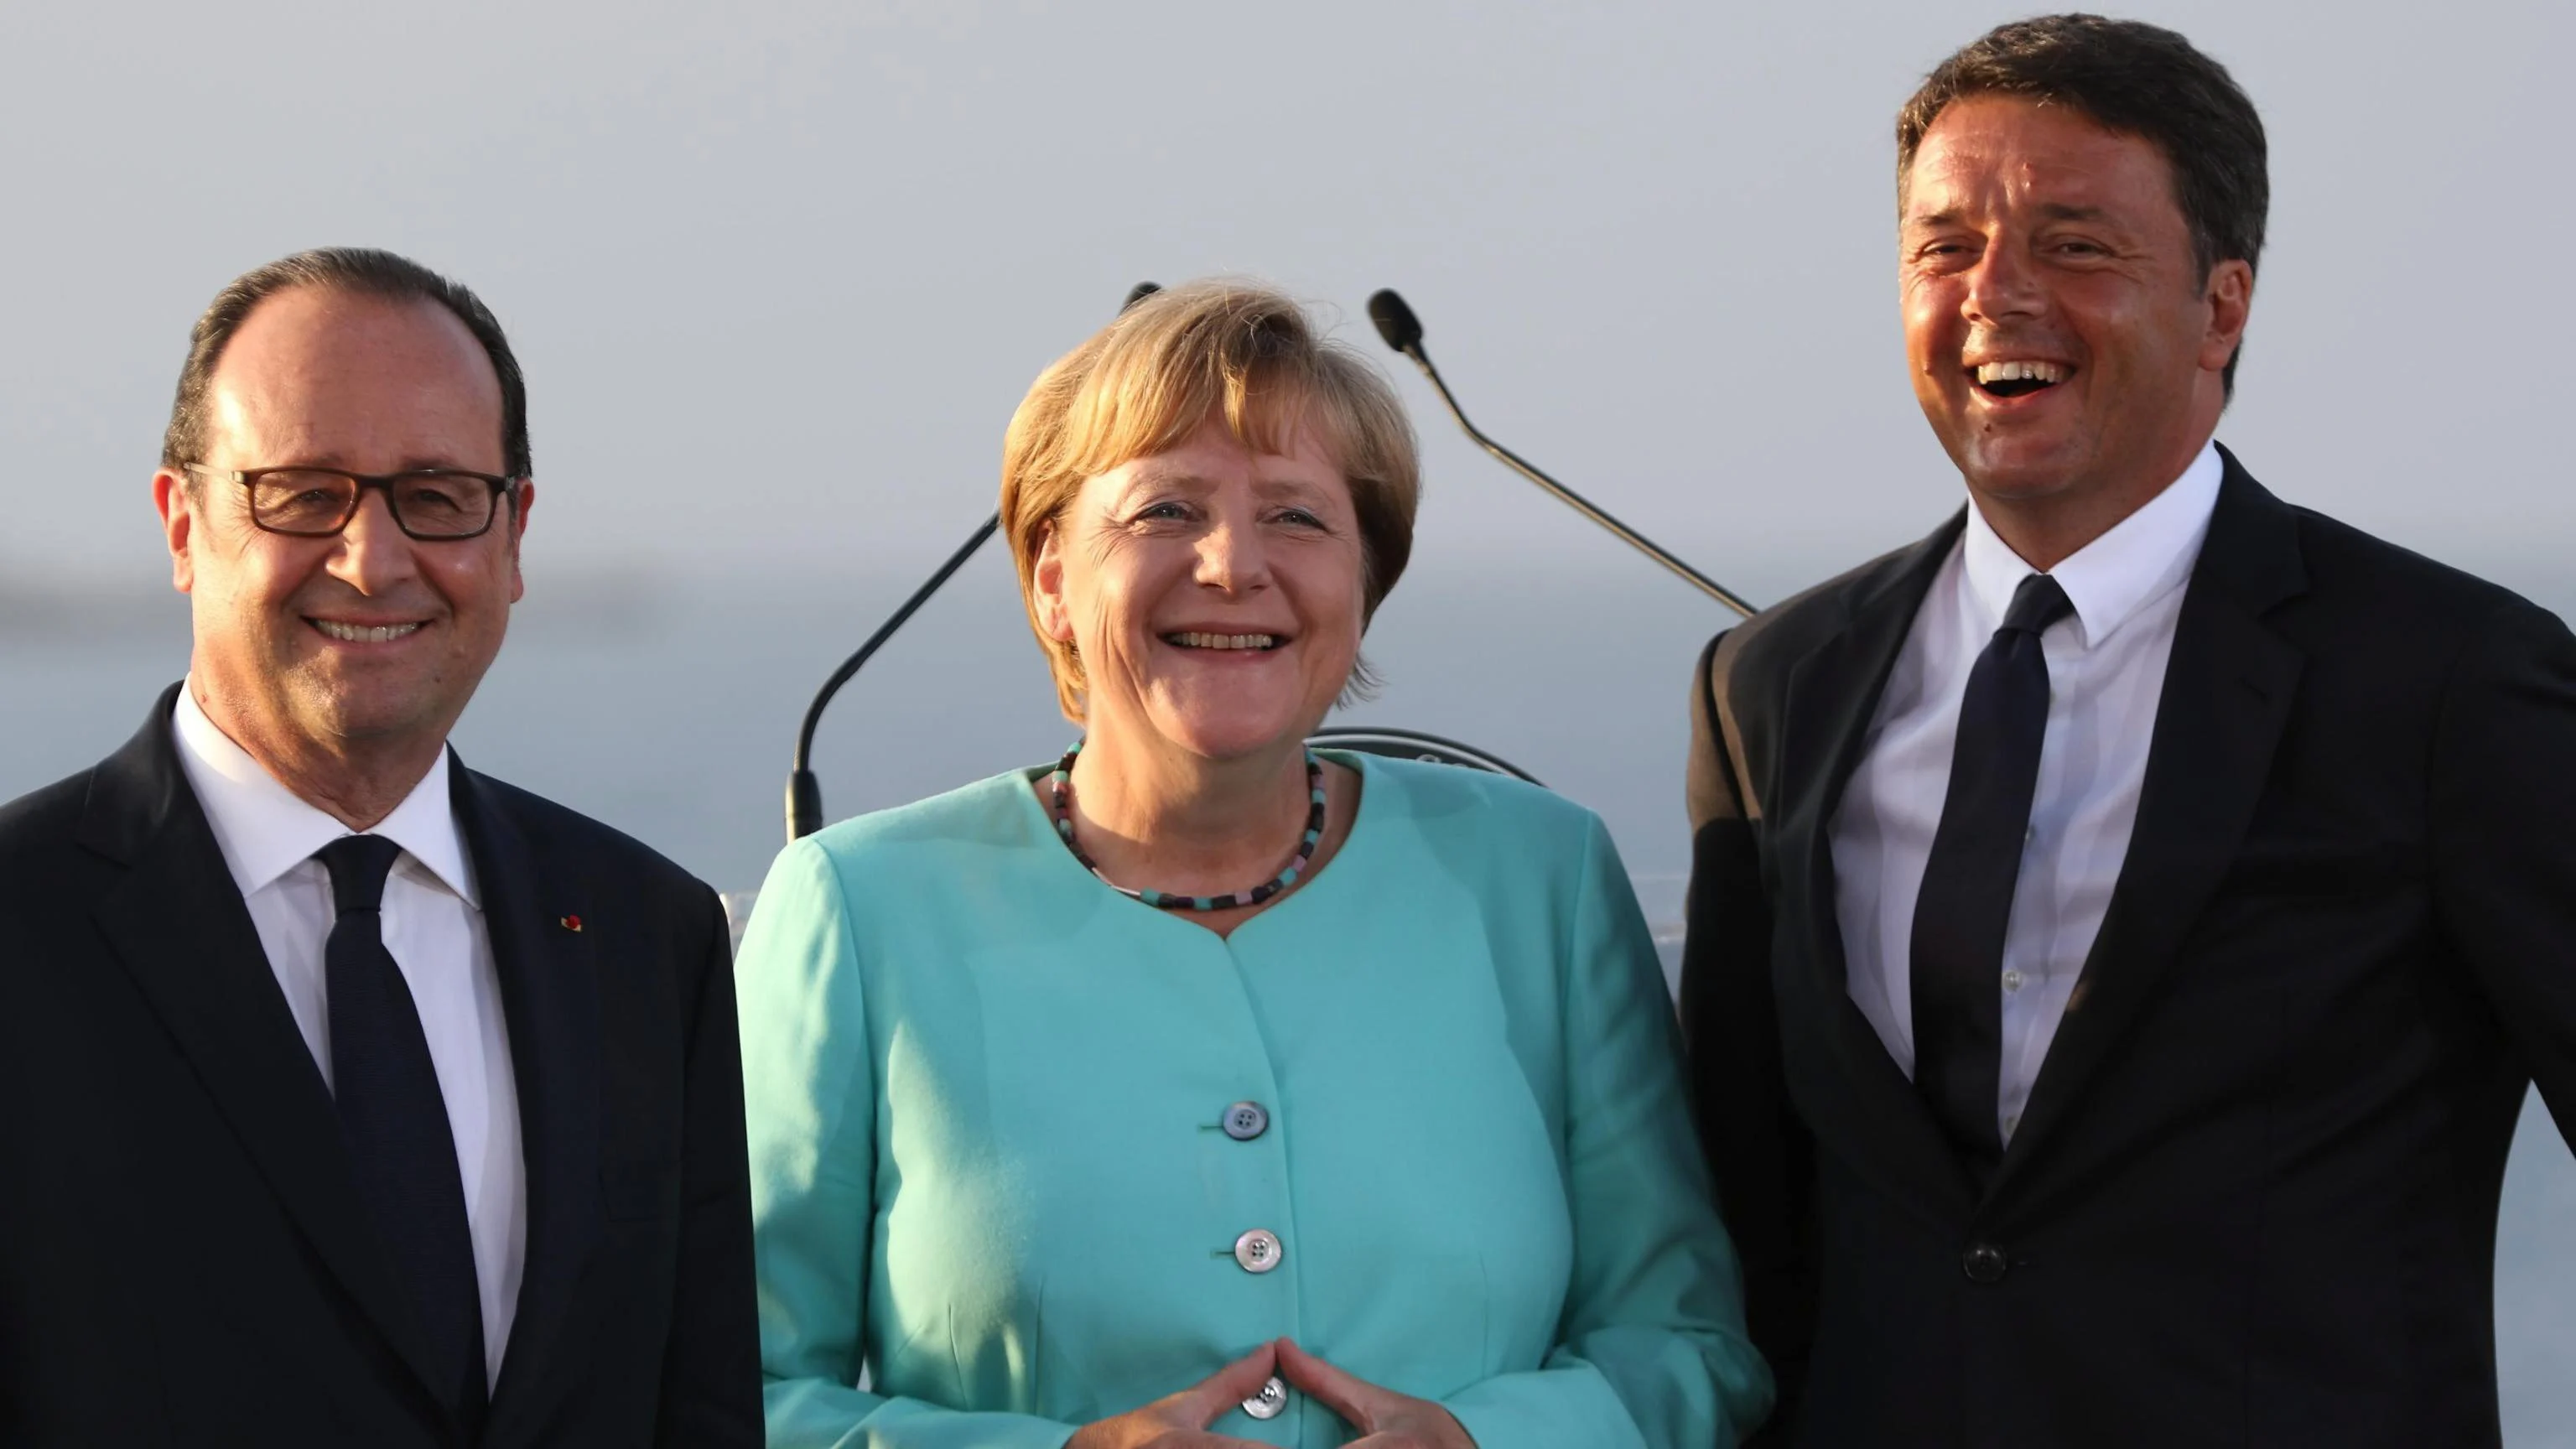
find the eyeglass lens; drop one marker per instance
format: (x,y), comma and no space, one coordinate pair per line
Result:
(430,505)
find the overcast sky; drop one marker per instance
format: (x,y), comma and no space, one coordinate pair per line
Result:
(779,273)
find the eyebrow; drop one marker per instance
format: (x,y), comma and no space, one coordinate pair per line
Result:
(1267,487)
(332,463)
(2051,211)
(1289,488)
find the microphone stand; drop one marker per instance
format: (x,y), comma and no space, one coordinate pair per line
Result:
(804,790)
(1403,332)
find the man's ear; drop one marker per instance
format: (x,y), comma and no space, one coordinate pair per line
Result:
(1046,587)
(178,520)
(2231,300)
(523,496)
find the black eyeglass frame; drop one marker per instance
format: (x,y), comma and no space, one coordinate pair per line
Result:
(503,489)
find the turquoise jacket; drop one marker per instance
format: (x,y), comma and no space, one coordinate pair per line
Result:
(990,1102)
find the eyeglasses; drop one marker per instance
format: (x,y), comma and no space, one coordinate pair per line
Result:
(431,504)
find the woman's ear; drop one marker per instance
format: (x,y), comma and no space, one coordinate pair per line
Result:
(1046,587)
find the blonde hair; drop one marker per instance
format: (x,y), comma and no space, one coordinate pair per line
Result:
(1144,383)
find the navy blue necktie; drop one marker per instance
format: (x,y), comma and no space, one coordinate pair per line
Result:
(395,1122)
(1966,902)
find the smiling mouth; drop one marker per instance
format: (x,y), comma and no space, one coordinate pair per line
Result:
(2017,379)
(1192,639)
(364,633)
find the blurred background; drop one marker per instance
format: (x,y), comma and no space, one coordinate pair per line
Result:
(780,272)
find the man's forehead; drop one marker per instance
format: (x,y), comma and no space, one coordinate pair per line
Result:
(310,364)
(1990,151)
(319,325)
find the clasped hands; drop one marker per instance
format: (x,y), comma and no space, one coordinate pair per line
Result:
(1384,1418)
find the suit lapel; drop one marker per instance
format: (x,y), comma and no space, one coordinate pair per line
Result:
(533,913)
(2227,693)
(178,924)
(1833,695)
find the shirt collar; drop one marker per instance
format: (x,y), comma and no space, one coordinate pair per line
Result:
(2144,557)
(266,830)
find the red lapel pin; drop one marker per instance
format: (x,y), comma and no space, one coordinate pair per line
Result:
(572,924)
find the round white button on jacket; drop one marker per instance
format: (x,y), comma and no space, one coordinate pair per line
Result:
(1258,1251)
(1269,1403)
(1246,1120)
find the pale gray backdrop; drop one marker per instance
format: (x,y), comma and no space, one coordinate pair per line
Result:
(780,272)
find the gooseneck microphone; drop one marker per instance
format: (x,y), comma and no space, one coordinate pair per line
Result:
(804,791)
(1403,332)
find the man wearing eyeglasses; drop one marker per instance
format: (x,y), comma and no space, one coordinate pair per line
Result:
(348,1096)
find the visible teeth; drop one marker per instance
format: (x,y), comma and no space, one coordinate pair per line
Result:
(362,633)
(2020,372)
(1193,640)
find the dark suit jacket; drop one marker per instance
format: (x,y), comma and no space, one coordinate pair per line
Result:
(2253,1198)
(184,1261)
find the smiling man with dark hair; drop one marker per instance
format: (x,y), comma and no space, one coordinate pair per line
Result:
(2124,924)
(351,1096)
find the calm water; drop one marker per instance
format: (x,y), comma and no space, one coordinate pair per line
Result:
(667,707)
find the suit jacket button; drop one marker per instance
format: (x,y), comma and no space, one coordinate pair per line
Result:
(1984,1263)
(1246,1120)
(1269,1402)
(1257,1251)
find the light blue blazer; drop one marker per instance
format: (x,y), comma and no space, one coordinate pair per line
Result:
(989,1108)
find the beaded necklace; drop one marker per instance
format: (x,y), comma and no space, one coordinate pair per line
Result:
(1060,786)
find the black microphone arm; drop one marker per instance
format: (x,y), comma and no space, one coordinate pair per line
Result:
(804,790)
(1403,332)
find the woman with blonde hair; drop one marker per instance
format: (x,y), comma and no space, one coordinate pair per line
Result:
(1204,1089)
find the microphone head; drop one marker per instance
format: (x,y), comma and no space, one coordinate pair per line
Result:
(1139,293)
(1395,321)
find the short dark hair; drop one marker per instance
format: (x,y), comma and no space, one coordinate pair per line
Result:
(2139,80)
(366,272)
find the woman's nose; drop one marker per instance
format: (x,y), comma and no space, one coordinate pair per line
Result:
(1230,558)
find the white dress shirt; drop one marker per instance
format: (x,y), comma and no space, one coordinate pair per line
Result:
(433,926)
(2106,672)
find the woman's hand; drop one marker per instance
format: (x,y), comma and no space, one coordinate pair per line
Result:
(1385,1418)
(1180,1421)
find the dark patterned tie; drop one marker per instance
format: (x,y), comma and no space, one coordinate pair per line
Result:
(395,1122)
(1966,903)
